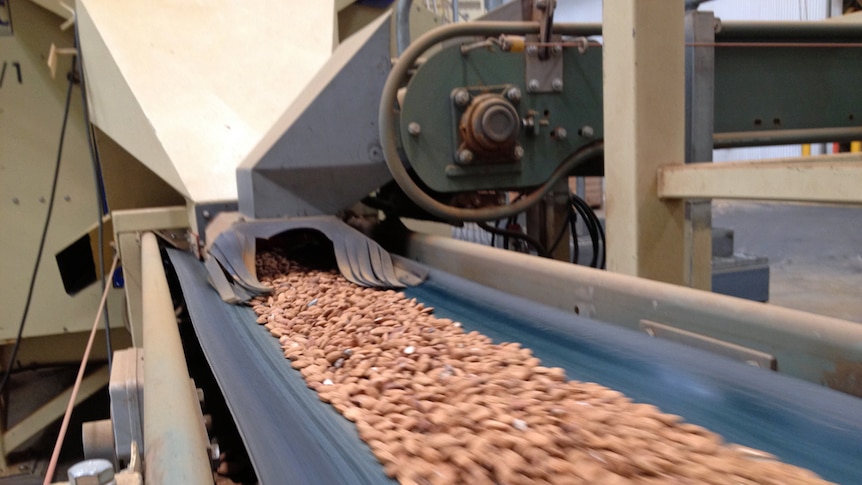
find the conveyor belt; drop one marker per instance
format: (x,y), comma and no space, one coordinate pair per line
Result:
(289,433)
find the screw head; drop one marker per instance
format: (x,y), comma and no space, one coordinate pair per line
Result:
(586,131)
(513,94)
(15,200)
(532,50)
(462,97)
(557,50)
(465,156)
(560,133)
(557,85)
(518,153)
(414,129)
(533,85)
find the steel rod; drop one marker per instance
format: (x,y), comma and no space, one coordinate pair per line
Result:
(173,451)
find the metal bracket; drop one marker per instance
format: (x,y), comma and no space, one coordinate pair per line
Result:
(204,213)
(544,75)
(747,355)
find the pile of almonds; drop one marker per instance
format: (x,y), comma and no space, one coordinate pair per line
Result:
(438,405)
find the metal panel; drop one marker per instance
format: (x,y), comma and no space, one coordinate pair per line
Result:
(806,346)
(189,88)
(31,112)
(323,154)
(428,103)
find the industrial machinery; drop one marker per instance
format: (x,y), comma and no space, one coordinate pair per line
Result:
(222,129)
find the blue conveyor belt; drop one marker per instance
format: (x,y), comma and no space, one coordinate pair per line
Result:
(289,433)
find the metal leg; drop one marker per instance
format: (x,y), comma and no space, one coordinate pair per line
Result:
(644,86)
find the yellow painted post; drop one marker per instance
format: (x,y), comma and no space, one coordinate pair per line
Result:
(644,106)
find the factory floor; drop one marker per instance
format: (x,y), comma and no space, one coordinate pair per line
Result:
(814,251)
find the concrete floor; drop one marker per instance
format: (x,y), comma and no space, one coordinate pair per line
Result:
(814,251)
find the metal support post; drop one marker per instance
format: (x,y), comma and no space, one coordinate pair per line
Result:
(644,106)
(173,450)
(699,116)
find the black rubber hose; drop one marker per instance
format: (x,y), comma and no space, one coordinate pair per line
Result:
(540,249)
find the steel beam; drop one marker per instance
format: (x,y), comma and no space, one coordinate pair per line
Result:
(805,345)
(174,451)
(828,179)
(644,120)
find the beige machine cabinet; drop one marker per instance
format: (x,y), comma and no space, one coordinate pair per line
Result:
(31,115)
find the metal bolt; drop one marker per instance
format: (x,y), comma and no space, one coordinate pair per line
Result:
(462,97)
(531,50)
(557,50)
(586,131)
(42,200)
(560,133)
(513,94)
(92,472)
(557,85)
(15,200)
(465,156)
(206,214)
(518,152)
(533,85)
(414,129)
(67,198)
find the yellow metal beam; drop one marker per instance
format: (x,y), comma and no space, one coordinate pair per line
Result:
(52,410)
(644,107)
(827,179)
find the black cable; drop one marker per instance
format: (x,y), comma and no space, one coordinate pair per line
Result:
(100,190)
(597,233)
(562,232)
(516,235)
(591,230)
(573,224)
(39,251)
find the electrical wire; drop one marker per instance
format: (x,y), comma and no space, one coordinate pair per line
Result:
(591,230)
(596,228)
(55,456)
(42,238)
(540,249)
(99,183)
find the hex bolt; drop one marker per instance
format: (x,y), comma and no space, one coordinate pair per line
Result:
(533,85)
(557,50)
(414,129)
(465,156)
(92,472)
(206,214)
(586,131)
(462,97)
(557,85)
(532,50)
(560,133)
(518,152)
(513,94)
